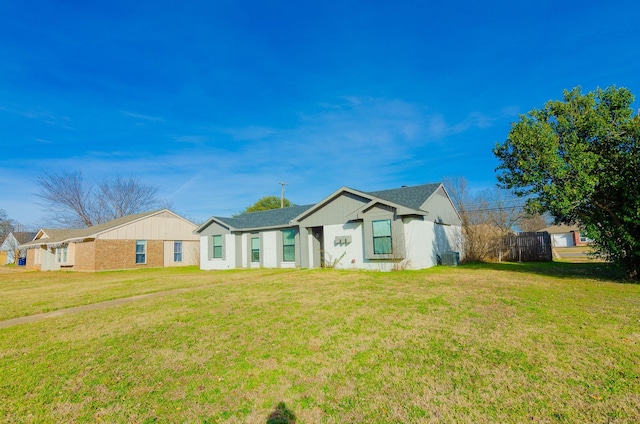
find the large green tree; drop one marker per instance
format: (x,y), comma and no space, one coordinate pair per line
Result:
(267,203)
(579,159)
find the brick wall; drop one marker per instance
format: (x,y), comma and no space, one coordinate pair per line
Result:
(85,256)
(576,239)
(31,257)
(121,254)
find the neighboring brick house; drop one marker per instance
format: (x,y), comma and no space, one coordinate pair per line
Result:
(566,236)
(150,239)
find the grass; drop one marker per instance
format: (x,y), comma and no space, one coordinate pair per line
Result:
(506,343)
(29,293)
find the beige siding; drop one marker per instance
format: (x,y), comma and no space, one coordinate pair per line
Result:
(190,253)
(158,227)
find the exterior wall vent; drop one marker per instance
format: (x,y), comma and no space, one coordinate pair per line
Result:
(451,258)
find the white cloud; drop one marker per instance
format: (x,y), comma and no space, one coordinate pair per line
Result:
(365,143)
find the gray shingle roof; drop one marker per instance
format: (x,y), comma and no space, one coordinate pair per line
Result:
(23,236)
(411,197)
(270,218)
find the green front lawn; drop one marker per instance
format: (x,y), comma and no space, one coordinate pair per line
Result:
(485,343)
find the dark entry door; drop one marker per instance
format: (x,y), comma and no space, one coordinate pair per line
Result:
(318,246)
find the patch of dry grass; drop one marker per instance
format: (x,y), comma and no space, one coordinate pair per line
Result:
(493,343)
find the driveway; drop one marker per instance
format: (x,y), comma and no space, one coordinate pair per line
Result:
(574,254)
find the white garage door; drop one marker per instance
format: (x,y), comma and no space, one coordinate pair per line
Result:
(563,240)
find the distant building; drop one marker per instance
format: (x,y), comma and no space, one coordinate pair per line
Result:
(150,239)
(566,236)
(10,247)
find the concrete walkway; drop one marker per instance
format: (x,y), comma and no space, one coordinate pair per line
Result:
(91,307)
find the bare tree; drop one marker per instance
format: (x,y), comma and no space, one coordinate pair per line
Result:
(487,216)
(70,198)
(532,223)
(126,196)
(504,209)
(76,202)
(6,225)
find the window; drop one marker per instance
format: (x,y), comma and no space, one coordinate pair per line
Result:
(217,246)
(584,239)
(255,249)
(141,251)
(382,237)
(177,251)
(289,245)
(61,255)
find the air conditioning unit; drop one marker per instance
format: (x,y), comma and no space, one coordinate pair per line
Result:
(451,258)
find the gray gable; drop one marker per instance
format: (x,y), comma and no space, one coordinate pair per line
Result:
(411,197)
(270,218)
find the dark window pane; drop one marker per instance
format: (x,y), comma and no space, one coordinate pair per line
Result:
(382,245)
(289,253)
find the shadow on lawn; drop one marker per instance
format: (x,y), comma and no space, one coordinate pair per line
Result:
(281,415)
(594,270)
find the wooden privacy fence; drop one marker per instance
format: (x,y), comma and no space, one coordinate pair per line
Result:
(527,247)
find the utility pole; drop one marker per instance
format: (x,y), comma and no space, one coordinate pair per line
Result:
(282,195)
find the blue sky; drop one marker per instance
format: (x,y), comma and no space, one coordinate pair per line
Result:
(216,102)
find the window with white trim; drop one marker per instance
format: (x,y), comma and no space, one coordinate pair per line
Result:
(177,251)
(141,251)
(61,255)
(584,239)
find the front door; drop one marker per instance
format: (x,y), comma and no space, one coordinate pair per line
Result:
(318,247)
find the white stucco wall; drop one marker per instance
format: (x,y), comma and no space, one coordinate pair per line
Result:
(420,244)
(423,241)
(353,252)
(228,260)
(269,251)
